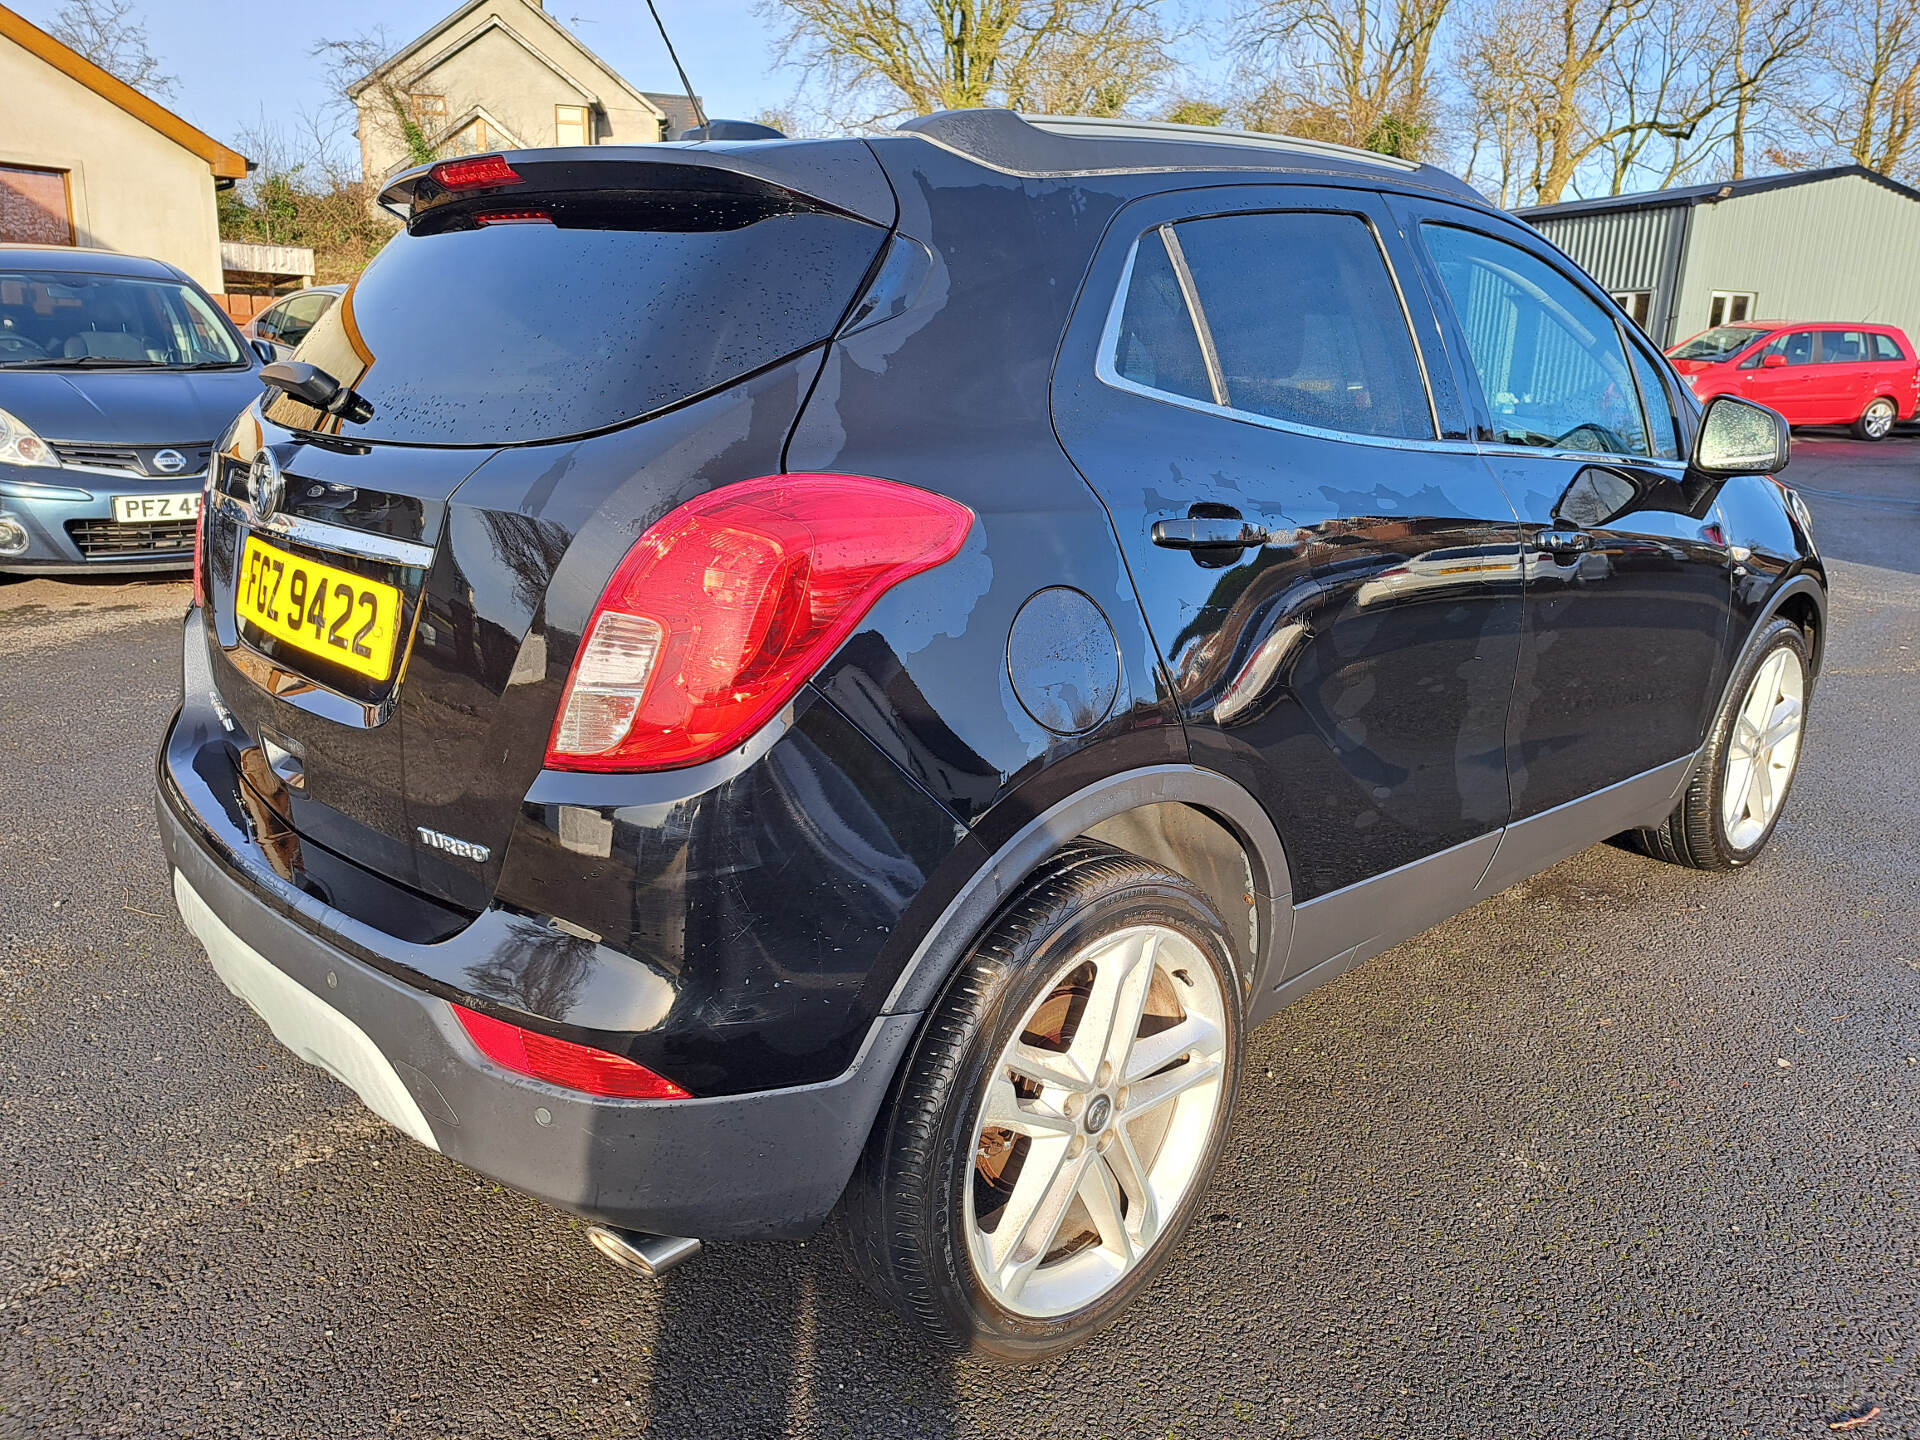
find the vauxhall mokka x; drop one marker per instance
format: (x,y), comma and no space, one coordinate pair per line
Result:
(735,684)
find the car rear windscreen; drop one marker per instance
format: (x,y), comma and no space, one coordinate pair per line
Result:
(569,318)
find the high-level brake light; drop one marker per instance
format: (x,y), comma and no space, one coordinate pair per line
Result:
(475,173)
(729,604)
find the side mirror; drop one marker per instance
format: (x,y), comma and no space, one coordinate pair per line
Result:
(1738,437)
(264,349)
(1775,361)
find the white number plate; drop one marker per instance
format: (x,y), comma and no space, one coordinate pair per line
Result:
(151,509)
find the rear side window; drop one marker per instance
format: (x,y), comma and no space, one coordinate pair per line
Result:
(502,333)
(1550,359)
(1843,347)
(1306,323)
(1158,346)
(1885,347)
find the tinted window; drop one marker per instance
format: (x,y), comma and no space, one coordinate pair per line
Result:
(1662,424)
(1157,345)
(522,332)
(1885,347)
(1843,347)
(1306,323)
(1549,358)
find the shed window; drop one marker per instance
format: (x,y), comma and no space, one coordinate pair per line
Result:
(1637,304)
(570,125)
(1729,307)
(33,207)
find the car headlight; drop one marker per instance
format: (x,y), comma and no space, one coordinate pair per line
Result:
(20,446)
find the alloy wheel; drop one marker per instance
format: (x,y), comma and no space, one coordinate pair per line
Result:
(1763,749)
(1878,419)
(1096,1120)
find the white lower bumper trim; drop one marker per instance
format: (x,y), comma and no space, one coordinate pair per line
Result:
(302,1021)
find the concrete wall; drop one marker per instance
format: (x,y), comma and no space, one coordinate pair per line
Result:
(132,189)
(497,73)
(1840,249)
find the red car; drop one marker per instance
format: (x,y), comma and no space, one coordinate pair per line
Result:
(1831,373)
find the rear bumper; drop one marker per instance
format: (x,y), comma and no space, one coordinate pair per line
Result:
(770,1163)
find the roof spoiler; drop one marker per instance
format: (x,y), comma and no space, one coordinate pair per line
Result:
(840,175)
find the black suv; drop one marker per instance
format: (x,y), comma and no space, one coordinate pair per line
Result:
(736,681)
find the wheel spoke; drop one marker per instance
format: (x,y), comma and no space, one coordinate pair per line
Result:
(1040,1196)
(1122,975)
(1006,1110)
(1782,724)
(1048,1067)
(1157,1090)
(1760,791)
(1745,741)
(1143,1210)
(1193,1035)
(1100,1193)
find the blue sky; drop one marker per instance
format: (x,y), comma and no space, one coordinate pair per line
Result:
(240,60)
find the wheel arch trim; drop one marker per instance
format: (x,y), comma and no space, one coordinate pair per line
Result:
(1007,868)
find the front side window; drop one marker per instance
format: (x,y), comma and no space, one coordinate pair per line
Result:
(1298,321)
(1663,426)
(1550,360)
(1795,347)
(71,321)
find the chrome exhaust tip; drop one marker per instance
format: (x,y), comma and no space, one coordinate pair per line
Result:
(649,1255)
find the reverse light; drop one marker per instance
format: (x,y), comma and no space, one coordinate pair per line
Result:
(728,604)
(20,446)
(563,1063)
(475,173)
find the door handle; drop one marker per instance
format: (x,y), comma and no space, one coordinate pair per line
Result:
(1564,542)
(1207,532)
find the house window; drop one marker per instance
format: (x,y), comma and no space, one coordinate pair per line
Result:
(471,139)
(34,207)
(570,125)
(1636,303)
(1729,307)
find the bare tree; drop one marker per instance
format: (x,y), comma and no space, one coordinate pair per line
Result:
(397,113)
(1767,44)
(112,35)
(1872,105)
(897,56)
(1354,71)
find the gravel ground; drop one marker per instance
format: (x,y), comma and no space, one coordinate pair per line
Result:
(1624,1151)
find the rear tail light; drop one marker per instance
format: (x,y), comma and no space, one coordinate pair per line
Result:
(474,174)
(727,605)
(563,1063)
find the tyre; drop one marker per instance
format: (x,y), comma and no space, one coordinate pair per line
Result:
(1739,789)
(1876,421)
(1057,1122)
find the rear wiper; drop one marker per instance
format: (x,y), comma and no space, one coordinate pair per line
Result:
(83,362)
(317,388)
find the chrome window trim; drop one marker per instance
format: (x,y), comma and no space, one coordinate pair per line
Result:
(1104,371)
(337,539)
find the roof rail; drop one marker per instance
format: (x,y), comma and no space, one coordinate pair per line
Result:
(1084,144)
(1107,128)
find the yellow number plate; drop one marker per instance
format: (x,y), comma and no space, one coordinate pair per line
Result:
(318,609)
